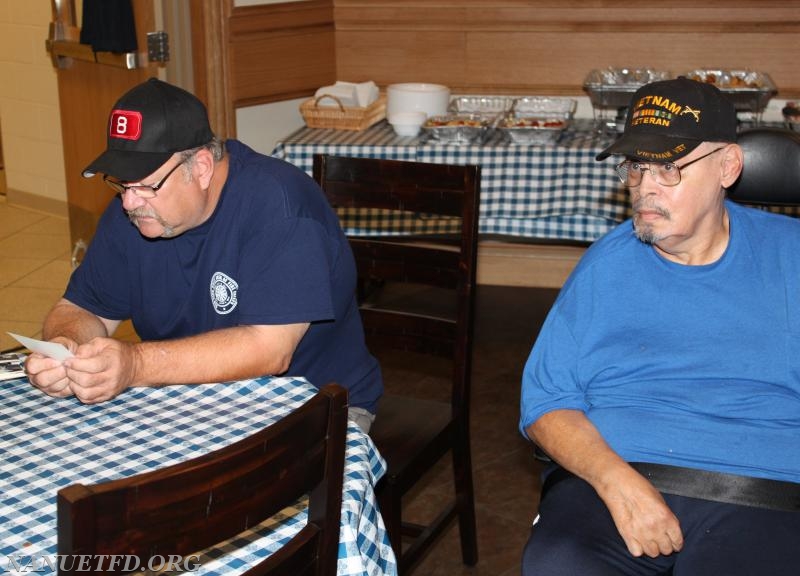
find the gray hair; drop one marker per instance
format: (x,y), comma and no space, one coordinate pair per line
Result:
(216,146)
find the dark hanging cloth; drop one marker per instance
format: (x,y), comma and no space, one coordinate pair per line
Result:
(108,25)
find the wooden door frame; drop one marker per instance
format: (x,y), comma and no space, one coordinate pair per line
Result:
(210,55)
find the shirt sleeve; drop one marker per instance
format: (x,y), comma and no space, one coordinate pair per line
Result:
(550,380)
(288,269)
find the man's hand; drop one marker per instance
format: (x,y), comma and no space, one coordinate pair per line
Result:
(643,519)
(101,369)
(104,367)
(50,375)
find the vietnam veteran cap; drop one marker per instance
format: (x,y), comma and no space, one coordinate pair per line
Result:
(670,118)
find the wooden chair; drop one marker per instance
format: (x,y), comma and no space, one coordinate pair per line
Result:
(413,434)
(190,506)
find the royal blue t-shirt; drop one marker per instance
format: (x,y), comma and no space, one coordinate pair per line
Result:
(271,253)
(695,366)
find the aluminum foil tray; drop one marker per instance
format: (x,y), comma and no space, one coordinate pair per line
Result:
(614,87)
(748,90)
(457,128)
(526,130)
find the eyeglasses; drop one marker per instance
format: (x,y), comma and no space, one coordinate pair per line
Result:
(140,190)
(631,172)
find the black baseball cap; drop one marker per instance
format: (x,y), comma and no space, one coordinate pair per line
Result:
(670,118)
(147,125)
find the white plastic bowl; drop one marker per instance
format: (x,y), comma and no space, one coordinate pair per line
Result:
(433,99)
(407,123)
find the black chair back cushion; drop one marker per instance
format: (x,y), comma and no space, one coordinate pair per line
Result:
(771,173)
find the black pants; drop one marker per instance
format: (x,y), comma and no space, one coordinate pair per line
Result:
(576,536)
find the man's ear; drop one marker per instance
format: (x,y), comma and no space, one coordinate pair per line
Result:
(203,167)
(732,164)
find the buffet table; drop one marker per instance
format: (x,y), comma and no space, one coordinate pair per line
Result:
(49,443)
(555,192)
(540,205)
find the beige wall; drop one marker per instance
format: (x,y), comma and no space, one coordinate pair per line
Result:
(29,114)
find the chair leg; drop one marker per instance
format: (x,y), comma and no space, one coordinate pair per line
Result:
(465,496)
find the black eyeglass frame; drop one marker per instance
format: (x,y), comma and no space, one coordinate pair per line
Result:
(141,190)
(622,172)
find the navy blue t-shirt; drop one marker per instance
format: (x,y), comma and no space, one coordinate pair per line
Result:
(271,253)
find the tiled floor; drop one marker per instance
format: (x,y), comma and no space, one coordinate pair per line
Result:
(505,474)
(34,268)
(35,265)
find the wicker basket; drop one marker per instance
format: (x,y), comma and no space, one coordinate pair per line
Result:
(342,117)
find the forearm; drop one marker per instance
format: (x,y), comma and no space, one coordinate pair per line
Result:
(220,355)
(570,438)
(640,514)
(66,320)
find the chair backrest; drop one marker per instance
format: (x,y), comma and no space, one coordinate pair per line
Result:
(771,172)
(444,263)
(185,508)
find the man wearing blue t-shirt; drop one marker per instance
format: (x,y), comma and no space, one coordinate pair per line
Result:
(665,382)
(230,264)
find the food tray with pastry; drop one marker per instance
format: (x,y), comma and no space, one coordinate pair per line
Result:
(532,130)
(538,120)
(614,87)
(748,90)
(458,128)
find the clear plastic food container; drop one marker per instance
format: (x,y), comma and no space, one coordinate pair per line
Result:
(614,87)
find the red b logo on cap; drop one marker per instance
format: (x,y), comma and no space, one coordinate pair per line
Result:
(126,124)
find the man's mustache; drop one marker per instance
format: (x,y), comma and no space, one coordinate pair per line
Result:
(643,205)
(142,213)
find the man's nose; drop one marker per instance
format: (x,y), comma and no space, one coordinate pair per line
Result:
(131,201)
(648,179)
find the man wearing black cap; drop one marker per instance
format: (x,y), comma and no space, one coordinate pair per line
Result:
(665,382)
(230,264)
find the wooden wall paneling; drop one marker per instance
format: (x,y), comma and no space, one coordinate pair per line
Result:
(410,56)
(548,46)
(281,65)
(280,51)
(517,61)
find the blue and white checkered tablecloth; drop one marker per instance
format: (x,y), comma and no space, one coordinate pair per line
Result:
(554,191)
(48,443)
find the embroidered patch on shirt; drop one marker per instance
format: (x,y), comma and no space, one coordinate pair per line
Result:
(224,291)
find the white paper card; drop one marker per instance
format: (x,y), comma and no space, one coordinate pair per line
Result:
(49,349)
